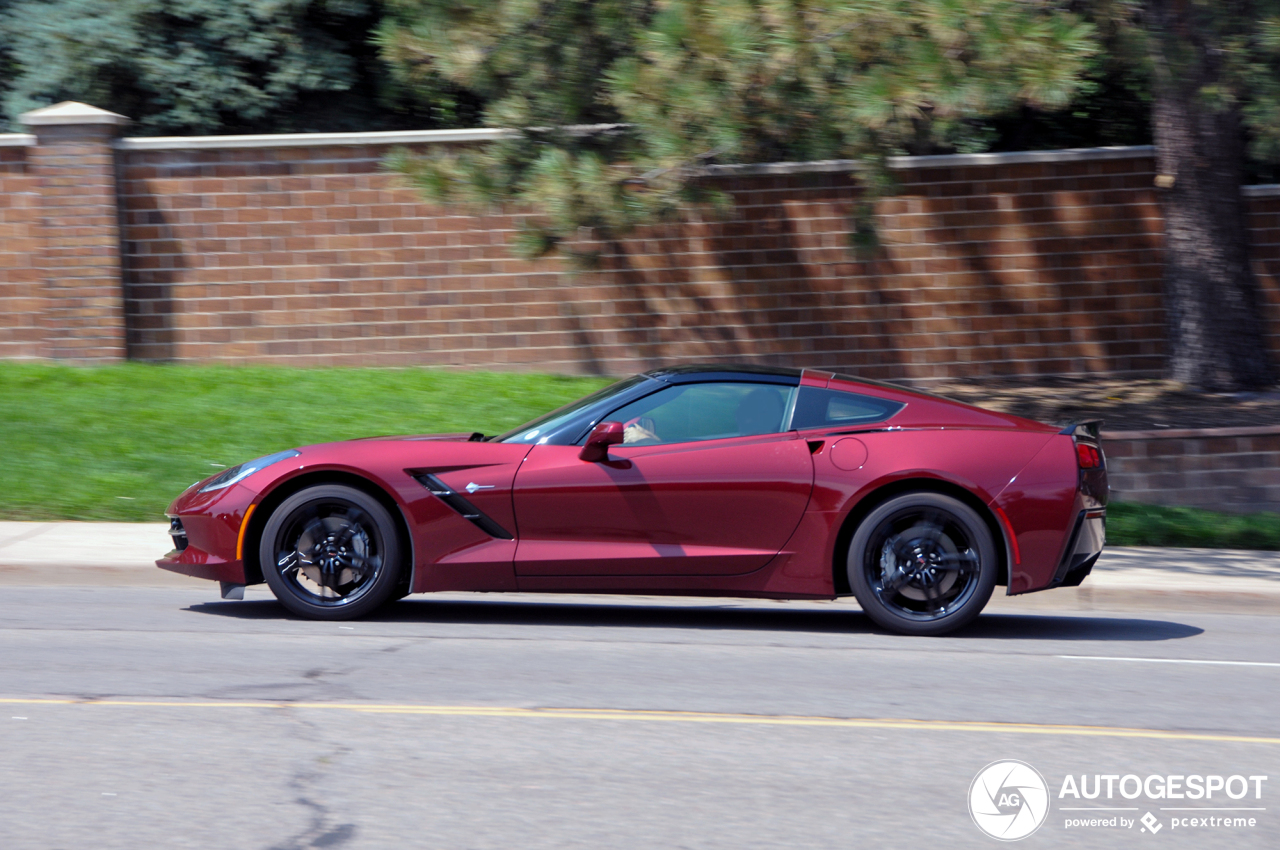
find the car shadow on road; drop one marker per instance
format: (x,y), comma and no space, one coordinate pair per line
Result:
(721,617)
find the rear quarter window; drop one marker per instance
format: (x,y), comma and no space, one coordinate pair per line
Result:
(817,408)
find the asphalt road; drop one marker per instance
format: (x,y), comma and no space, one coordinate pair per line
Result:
(161,717)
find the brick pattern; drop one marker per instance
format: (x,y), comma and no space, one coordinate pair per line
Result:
(1028,269)
(1264,232)
(78,253)
(318,256)
(1227,469)
(21,296)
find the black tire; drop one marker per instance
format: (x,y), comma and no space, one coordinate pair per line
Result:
(331,552)
(923,564)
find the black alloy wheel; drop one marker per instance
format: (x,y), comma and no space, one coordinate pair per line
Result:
(922,564)
(330,552)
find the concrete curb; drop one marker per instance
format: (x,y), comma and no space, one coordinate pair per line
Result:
(101,554)
(1107,596)
(1151,578)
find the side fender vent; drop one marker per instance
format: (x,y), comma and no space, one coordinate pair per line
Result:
(460,504)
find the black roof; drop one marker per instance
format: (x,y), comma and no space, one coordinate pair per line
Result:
(725,372)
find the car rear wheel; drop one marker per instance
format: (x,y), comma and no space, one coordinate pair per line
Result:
(330,552)
(922,564)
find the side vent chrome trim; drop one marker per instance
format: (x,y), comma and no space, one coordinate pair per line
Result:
(459,503)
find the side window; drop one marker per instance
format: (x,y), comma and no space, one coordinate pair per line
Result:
(689,412)
(817,408)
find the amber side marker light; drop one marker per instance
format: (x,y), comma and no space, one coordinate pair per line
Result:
(244,526)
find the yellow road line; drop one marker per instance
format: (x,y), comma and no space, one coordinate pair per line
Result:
(677,717)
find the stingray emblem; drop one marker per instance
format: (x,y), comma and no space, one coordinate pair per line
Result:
(473,486)
(1009,800)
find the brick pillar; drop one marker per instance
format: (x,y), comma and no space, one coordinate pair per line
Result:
(79,232)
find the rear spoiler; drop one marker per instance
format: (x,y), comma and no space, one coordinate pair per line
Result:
(1092,428)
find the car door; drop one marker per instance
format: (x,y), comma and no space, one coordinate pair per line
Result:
(708,484)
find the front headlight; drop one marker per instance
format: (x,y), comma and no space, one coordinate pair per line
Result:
(227,477)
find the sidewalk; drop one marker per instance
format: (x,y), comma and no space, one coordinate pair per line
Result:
(86,553)
(124,554)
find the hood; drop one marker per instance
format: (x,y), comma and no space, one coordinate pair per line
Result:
(460,437)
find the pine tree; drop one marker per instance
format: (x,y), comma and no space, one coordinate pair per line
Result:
(699,82)
(540,67)
(208,66)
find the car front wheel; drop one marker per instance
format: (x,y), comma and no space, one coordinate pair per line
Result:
(922,564)
(330,552)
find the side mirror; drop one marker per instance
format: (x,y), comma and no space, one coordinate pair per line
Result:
(605,434)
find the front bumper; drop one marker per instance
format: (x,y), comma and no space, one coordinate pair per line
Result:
(197,564)
(211,523)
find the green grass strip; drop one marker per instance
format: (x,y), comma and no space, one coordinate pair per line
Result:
(1132,524)
(120,442)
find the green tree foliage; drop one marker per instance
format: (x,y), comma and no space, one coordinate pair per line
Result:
(539,66)
(1112,103)
(204,66)
(703,81)
(763,80)
(536,62)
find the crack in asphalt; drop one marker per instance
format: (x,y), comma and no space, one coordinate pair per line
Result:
(319,830)
(314,686)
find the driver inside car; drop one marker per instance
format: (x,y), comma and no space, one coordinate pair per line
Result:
(759,411)
(639,429)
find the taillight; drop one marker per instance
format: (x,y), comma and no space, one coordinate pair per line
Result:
(1089,457)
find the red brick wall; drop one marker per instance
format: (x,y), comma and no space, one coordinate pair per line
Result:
(316,255)
(1264,226)
(1026,269)
(78,248)
(1228,469)
(21,296)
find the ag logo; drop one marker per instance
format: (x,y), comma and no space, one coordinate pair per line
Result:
(1008,800)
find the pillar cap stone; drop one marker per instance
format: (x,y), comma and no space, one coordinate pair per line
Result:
(70,112)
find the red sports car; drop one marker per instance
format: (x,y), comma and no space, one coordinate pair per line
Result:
(695,480)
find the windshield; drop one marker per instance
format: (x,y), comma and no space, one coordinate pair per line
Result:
(539,429)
